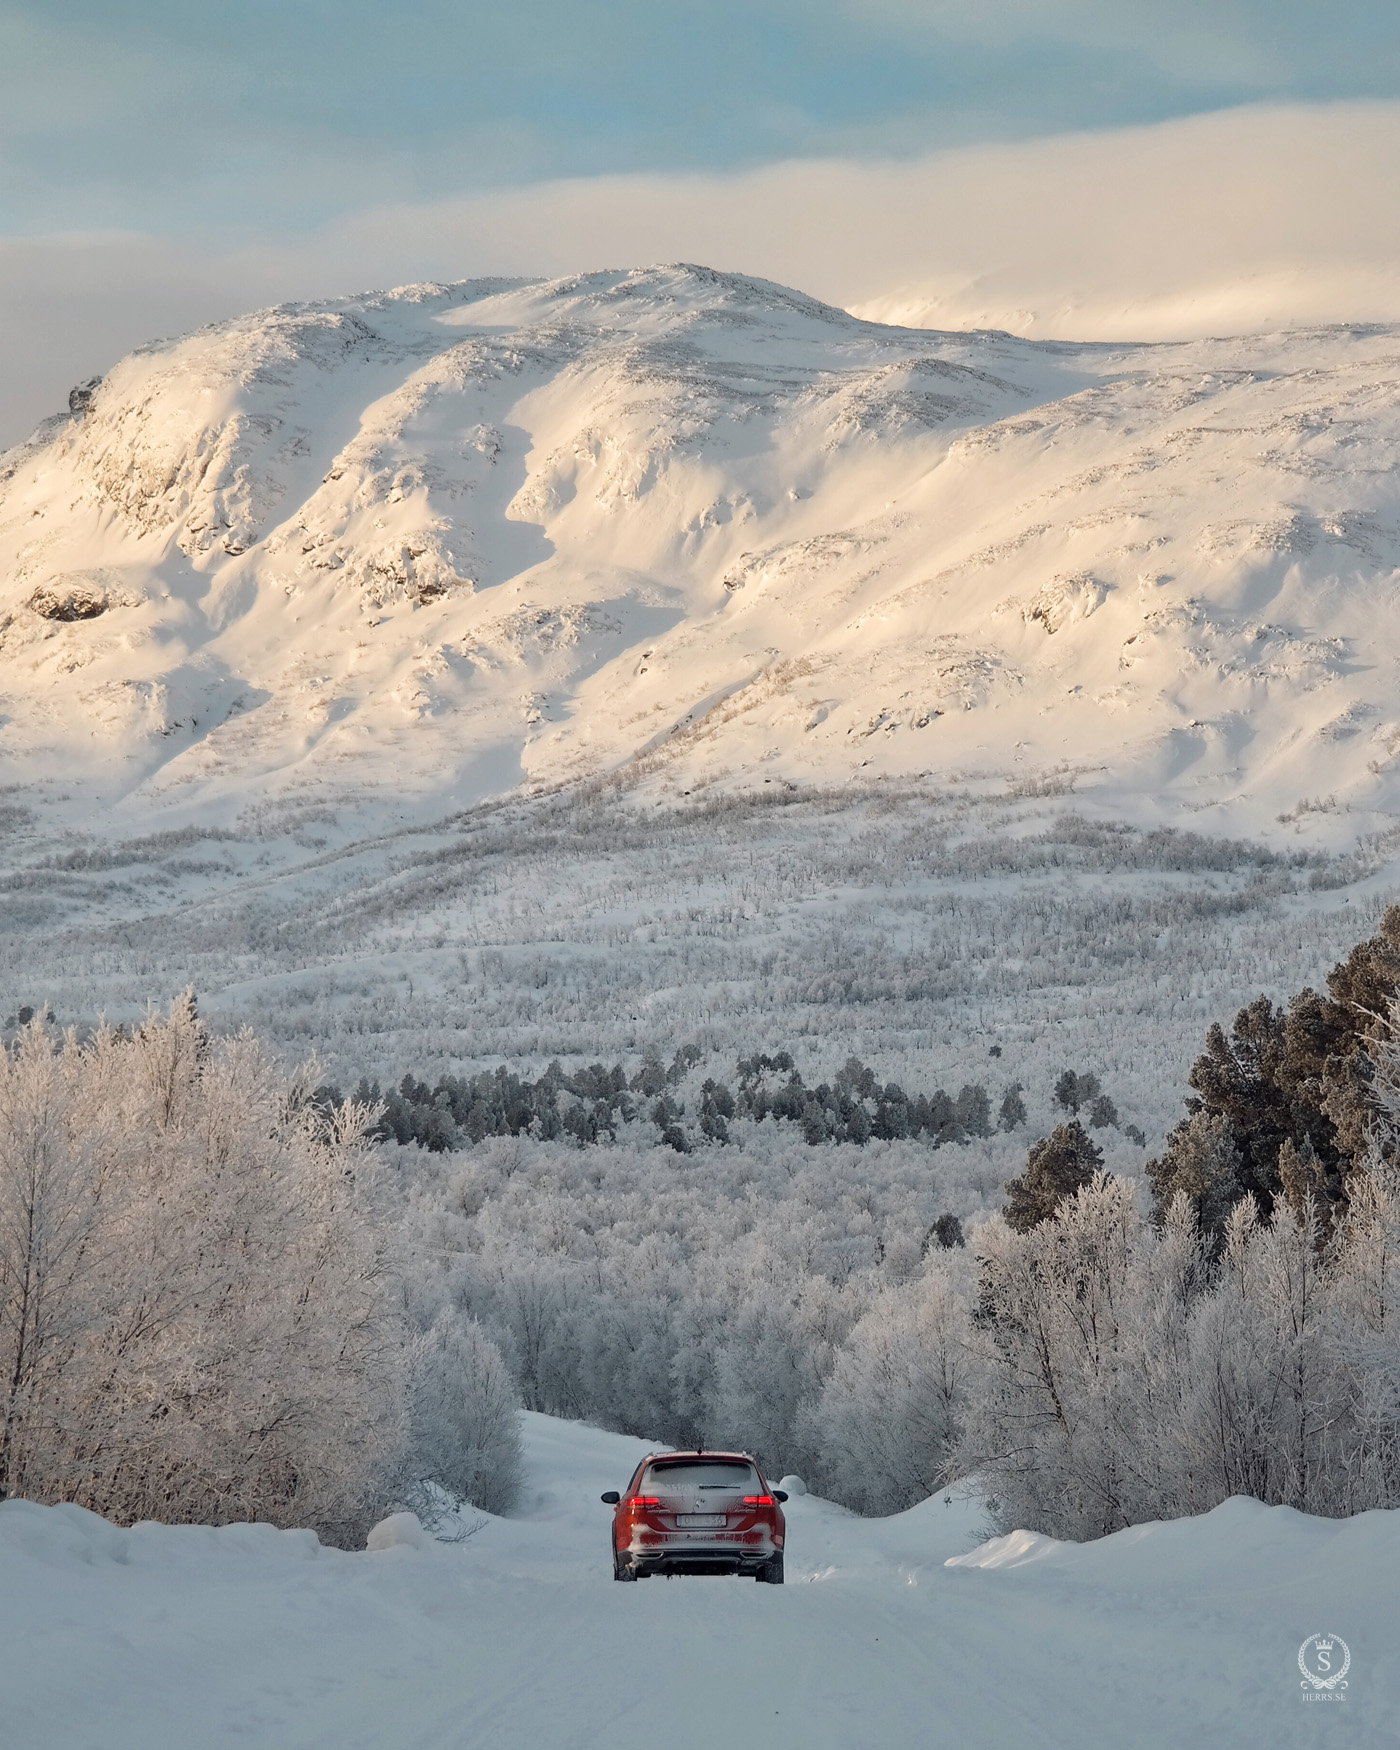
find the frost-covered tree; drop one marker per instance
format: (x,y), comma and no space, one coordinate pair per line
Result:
(1262,1399)
(58,1136)
(194,1316)
(464,1423)
(1059,1428)
(1128,1375)
(891,1411)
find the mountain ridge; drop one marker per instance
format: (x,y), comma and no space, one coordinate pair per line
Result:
(406,551)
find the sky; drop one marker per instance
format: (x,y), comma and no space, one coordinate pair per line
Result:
(163,164)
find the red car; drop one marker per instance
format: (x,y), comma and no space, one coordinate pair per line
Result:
(698,1513)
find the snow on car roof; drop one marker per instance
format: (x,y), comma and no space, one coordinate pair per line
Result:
(690,1457)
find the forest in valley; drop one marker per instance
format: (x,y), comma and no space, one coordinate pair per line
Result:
(229,1291)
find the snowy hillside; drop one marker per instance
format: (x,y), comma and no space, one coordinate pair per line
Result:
(414,549)
(1169,1634)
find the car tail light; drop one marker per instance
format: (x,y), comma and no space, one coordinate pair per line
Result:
(758,1501)
(646,1500)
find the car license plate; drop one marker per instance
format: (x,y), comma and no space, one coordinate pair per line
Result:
(700,1521)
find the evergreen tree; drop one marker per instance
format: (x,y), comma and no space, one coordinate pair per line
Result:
(1204,1163)
(1013,1107)
(1067,1091)
(973,1110)
(1056,1167)
(1295,1087)
(947,1231)
(1103,1114)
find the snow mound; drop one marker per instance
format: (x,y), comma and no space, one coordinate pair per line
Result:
(66,1536)
(1012,1551)
(399,1531)
(1258,1547)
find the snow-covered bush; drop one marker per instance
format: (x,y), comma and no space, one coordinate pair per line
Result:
(464,1426)
(196,1311)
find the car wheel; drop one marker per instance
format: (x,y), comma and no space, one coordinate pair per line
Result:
(771,1572)
(623,1573)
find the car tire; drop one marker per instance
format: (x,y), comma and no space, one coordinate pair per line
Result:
(623,1573)
(771,1573)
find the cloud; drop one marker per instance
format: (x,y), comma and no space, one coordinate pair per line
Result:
(1251,218)
(1129,218)
(158,115)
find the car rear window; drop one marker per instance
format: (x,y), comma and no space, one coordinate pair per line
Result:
(681,1476)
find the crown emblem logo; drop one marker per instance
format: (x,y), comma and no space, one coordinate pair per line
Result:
(1318,1661)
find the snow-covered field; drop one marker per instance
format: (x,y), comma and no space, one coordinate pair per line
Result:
(163,1638)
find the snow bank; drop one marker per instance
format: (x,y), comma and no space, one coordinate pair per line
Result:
(67,1537)
(1255,1545)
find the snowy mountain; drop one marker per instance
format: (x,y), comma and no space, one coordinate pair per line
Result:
(423,547)
(1164,1634)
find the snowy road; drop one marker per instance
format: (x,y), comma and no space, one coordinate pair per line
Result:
(1181,1634)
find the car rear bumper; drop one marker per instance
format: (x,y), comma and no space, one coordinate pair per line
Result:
(738,1554)
(745,1562)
